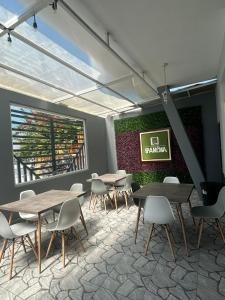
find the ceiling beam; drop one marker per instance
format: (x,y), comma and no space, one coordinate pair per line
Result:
(16,21)
(11,69)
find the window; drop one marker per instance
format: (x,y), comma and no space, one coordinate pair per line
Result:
(45,144)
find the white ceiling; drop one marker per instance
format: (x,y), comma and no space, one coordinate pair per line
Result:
(188,34)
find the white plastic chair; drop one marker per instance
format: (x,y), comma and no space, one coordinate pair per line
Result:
(12,233)
(158,211)
(78,187)
(121,172)
(171,179)
(27,216)
(215,211)
(125,189)
(99,191)
(94,175)
(68,215)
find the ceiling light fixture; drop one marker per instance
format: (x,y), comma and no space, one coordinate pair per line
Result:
(34,22)
(9,39)
(54,5)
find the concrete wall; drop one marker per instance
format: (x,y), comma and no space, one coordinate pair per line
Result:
(96,137)
(211,135)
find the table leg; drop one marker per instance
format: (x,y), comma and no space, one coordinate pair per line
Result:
(137,222)
(181,218)
(115,198)
(39,242)
(10,218)
(83,221)
(190,207)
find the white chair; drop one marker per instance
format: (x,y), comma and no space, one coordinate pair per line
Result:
(124,189)
(78,187)
(99,191)
(215,211)
(121,172)
(68,215)
(94,175)
(13,233)
(158,211)
(171,179)
(27,216)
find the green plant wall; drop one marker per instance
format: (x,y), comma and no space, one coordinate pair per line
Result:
(128,145)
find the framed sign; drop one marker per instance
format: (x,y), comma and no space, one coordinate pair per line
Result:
(155,145)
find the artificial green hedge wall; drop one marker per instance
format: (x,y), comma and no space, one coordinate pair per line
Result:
(189,116)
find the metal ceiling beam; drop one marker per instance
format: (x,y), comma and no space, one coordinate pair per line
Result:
(66,64)
(11,69)
(16,21)
(106,45)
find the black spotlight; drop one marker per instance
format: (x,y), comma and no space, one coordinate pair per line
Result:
(35,23)
(9,39)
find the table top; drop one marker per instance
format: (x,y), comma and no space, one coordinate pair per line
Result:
(41,202)
(177,193)
(109,178)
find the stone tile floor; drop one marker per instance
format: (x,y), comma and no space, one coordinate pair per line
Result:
(113,267)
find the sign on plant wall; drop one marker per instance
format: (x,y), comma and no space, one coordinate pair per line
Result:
(155,145)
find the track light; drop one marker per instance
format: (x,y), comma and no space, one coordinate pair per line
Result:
(54,5)
(34,22)
(9,39)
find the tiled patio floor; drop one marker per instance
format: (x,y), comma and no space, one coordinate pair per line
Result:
(113,267)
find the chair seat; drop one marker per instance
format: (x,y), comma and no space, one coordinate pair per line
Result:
(205,212)
(51,226)
(33,217)
(21,229)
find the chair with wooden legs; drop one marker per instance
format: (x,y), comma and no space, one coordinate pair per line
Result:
(99,192)
(215,211)
(123,187)
(68,215)
(31,217)
(158,211)
(16,233)
(76,187)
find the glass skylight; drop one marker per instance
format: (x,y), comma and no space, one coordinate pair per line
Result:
(78,54)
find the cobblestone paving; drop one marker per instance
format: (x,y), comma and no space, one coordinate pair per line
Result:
(113,267)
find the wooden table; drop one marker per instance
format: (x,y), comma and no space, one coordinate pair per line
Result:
(39,204)
(177,194)
(111,179)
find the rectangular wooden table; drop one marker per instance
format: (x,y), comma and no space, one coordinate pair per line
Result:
(177,194)
(111,179)
(39,204)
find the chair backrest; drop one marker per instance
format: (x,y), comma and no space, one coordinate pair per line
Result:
(5,230)
(27,194)
(78,187)
(69,213)
(94,175)
(121,172)
(129,180)
(158,210)
(171,179)
(98,186)
(23,195)
(219,206)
